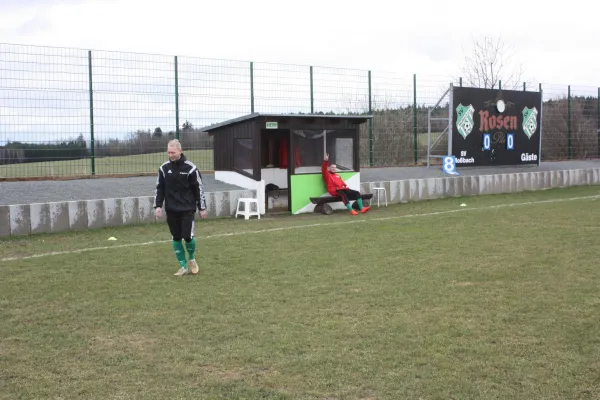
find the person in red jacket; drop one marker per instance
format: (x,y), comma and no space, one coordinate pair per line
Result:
(337,187)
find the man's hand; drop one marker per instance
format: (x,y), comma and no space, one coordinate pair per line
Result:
(202,213)
(158,212)
(326,156)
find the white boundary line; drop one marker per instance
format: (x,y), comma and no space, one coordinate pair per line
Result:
(286,228)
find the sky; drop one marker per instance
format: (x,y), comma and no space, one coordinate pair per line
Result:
(555,46)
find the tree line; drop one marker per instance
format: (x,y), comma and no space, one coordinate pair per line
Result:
(138,142)
(393,132)
(392,137)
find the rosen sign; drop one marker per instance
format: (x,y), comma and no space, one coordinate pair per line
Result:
(495,127)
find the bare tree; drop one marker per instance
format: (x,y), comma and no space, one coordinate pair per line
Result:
(490,63)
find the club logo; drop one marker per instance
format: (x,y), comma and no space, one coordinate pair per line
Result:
(529,121)
(464,119)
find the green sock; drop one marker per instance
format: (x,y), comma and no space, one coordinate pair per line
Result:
(359,201)
(191,248)
(180,253)
(349,206)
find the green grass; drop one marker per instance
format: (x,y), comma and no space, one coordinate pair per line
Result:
(424,300)
(138,164)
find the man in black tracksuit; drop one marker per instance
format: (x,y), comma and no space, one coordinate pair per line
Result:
(179,186)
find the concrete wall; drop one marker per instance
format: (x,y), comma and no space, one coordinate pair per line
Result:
(432,188)
(242,181)
(27,219)
(80,215)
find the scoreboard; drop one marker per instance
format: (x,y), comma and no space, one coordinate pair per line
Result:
(495,127)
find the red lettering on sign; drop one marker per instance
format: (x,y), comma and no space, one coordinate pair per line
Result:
(486,122)
(483,124)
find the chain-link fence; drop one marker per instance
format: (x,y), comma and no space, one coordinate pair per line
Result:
(72,112)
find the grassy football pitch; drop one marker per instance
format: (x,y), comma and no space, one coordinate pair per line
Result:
(495,300)
(134,164)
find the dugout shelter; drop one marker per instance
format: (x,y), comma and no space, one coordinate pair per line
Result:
(284,153)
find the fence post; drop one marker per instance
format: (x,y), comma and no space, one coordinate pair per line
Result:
(500,84)
(370,124)
(598,116)
(251,86)
(92,144)
(312,93)
(176,99)
(460,81)
(541,122)
(524,86)
(541,125)
(569,150)
(415,115)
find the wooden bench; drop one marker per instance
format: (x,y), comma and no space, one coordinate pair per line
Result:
(322,203)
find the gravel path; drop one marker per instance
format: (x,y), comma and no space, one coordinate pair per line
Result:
(390,174)
(89,189)
(28,192)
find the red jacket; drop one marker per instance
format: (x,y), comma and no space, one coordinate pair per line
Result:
(283,155)
(332,180)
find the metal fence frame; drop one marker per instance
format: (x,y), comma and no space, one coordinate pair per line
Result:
(180,88)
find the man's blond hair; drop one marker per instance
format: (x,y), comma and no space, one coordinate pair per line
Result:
(175,143)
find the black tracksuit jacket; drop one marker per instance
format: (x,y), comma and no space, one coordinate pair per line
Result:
(179,186)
